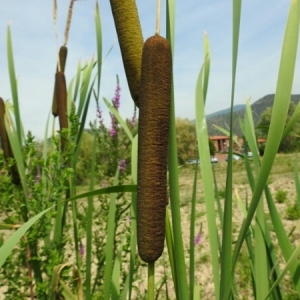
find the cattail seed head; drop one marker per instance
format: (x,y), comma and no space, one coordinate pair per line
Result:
(61,95)
(63,52)
(154,118)
(3,135)
(131,42)
(5,144)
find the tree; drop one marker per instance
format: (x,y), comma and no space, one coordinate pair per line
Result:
(187,147)
(291,143)
(186,140)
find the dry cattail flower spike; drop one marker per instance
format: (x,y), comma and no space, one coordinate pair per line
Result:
(155,99)
(61,95)
(131,42)
(5,144)
(63,52)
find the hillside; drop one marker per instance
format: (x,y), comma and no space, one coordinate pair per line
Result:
(258,107)
(236,107)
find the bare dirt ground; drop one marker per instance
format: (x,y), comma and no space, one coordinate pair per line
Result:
(282,178)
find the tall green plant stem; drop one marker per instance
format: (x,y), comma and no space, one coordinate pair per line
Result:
(180,269)
(151,271)
(226,258)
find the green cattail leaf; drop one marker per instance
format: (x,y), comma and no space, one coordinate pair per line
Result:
(279,114)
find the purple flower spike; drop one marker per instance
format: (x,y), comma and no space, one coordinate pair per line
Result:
(122,165)
(113,132)
(197,239)
(99,115)
(37,178)
(81,249)
(116,98)
(116,104)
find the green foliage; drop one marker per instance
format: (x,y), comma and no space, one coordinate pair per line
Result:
(293,211)
(281,196)
(291,143)
(186,140)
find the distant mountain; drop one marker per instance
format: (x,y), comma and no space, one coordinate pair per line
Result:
(226,111)
(222,119)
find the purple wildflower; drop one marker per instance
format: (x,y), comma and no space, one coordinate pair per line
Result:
(81,249)
(116,98)
(133,119)
(197,239)
(37,178)
(113,132)
(122,165)
(99,115)
(116,104)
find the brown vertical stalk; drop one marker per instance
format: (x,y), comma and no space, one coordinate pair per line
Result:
(131,42)
(63,52)
(61,94)
(6,145)
(155,99)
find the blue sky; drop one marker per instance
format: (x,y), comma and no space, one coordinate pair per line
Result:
(35,48)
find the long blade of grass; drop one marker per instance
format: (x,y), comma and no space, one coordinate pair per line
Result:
(13,85)
(77,81)
(297,181)
(206,65)
(99,44)
(226,260)
(279,114)
(14,239)
(133,234)
(293,259)
(283,240)
(260,230)
(109,246)
(115,289)
(82,124)
(170,247)
(89,225)
(289,126)
(180,268)
(192,234)
(16,147)
(207,179)
(86,76)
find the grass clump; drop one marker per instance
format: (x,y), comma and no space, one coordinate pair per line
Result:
(293,212)
(281,196)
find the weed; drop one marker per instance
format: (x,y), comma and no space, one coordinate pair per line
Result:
(293,212)
(281,196)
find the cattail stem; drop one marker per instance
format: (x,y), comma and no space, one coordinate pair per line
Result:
(151,269)
(157,29)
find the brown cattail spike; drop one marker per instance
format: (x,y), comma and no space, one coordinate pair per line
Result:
(61,94)
(131,42)
(3,135)
(155,99)
(4,142)
(63,52)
